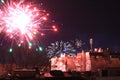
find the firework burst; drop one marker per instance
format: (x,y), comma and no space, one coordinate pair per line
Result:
(22,21)
(71,47)
(58,48)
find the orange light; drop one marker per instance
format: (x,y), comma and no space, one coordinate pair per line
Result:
(42,34)
(47,14)
(53,26)
(55,29)
(29,47)
(45,18)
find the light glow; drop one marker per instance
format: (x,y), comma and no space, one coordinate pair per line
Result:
(21,20)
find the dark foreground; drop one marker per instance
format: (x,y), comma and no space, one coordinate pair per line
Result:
(52,75)
(57,75)
(47,78)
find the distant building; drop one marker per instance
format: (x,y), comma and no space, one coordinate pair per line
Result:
(81,62)
(86,61)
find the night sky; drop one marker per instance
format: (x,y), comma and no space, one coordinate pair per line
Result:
(84,19)
(75,19)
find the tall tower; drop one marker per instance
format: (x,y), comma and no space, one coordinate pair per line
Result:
(91,44)
(91,41)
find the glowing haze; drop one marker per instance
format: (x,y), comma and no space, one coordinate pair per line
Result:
(21,20)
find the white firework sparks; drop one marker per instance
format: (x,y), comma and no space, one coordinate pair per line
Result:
(22,21)
(58,48)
